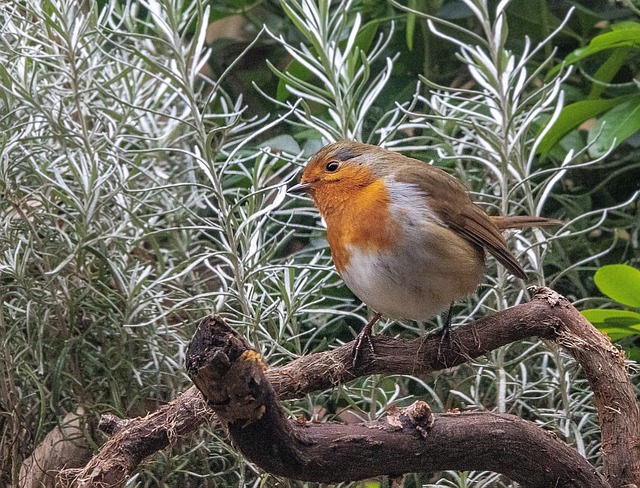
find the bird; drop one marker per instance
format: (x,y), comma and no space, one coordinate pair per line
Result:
(404,235)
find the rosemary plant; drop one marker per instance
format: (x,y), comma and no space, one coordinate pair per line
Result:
(138,195)
(136,198)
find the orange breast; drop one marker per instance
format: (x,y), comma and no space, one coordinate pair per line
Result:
(358,216)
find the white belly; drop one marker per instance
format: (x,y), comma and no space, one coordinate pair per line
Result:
(418,279)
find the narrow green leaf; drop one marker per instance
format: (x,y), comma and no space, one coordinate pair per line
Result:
(411,24)
(614,127)
(620,283)
(363,41)
(572,116)
(613,39)
(608,70)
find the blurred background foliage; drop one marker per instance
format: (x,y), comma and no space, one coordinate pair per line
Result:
(145,149)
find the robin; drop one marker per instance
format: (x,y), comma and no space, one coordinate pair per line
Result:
(404,236)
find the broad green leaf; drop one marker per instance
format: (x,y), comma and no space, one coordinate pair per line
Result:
(616,333)
(367,34)
(617,324)
(612,318)
(573,141)
(283,142)
(625,25)
(611,39)
(620,283)
(572,116)
(613,127)
(633,353)
(297,70)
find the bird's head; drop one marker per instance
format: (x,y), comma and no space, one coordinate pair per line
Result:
(341,171)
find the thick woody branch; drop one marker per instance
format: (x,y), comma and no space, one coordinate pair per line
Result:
(136,439)
(231,377)
(548,316)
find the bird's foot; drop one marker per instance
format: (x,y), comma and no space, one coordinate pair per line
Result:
(361,338)
(445,336)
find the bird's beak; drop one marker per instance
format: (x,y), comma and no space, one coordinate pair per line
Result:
(300,188)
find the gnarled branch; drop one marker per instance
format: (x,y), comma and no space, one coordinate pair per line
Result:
(548,316)
(231,377)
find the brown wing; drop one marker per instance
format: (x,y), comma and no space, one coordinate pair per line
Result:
(450,201)
(475,225)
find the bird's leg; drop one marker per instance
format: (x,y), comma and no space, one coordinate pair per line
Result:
(364,335)
(446,331)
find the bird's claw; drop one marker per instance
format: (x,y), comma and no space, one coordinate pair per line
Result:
(362,337)
(445,336)
(356,352)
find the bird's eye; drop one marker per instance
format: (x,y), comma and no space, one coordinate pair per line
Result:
(332,166)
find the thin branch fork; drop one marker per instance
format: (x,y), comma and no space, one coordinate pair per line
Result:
(547,316)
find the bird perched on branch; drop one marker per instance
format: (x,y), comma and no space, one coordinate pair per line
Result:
(404,235)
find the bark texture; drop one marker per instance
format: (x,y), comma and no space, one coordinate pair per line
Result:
(548,316)
(65,447)
(231,377)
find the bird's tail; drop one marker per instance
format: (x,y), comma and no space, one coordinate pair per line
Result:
(522,222)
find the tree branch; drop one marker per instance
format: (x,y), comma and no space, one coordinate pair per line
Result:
(231,377)
(547,316)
